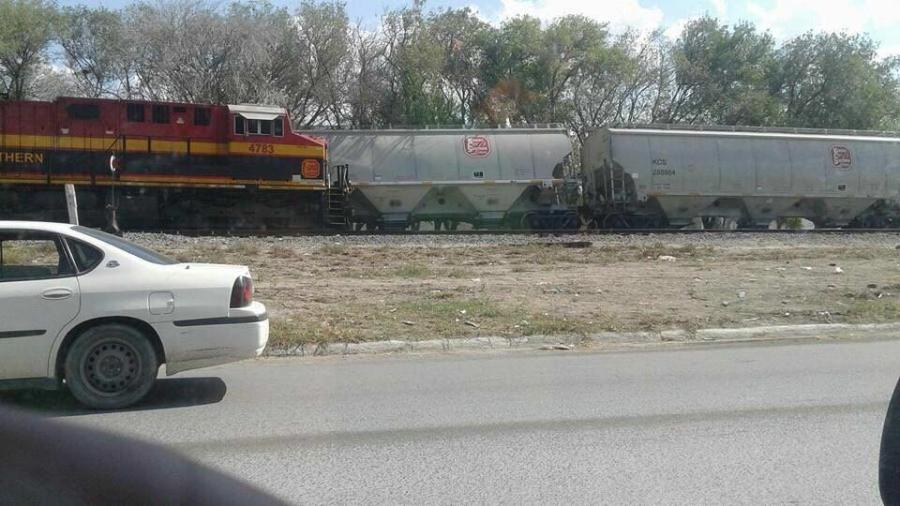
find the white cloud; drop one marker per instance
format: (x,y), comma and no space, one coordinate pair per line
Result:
(619,14)
(673,31)
(886,50)
(785,18)
(476,10)
(720,10)
(884,13)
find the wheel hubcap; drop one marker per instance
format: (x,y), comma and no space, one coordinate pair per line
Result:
(111,366)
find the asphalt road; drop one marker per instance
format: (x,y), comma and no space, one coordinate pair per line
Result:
(763,424)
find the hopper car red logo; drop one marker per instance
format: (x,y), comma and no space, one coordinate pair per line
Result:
(840,157)
(477,146)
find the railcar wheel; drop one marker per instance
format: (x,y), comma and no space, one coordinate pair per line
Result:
(568,221)
(110,366)
(531,221)
(616,221)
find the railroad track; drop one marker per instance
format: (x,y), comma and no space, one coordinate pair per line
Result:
(537,233)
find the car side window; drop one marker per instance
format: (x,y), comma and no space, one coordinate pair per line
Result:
(86,256)
(28,255)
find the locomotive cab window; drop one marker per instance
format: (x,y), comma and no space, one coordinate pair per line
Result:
(160,114)
(135,113)
(83,111)
(244,126)
(259,127)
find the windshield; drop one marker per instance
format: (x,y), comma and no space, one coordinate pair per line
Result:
(126,246)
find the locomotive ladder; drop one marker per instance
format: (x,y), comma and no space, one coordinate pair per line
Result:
(616,189)
(336,198)
(614,194)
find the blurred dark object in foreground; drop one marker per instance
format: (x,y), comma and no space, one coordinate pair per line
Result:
(889,458)
(46,462)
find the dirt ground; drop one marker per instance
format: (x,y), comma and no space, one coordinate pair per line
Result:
(350,289)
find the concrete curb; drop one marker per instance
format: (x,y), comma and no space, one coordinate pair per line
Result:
(822,331)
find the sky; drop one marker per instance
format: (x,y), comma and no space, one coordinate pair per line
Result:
(783,18)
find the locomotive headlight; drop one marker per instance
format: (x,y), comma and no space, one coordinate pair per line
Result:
(310,169)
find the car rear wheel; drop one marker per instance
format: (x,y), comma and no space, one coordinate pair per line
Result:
(111,366)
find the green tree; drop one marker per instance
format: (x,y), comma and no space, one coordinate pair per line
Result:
(721,75)
(316,63)
(827,80)
(422,67)
(460,38)
(413,64)
(93,42)
(511,71)
(611,85)
(26,29)
(368,88)
(571,46)
(530,71)
(179,50)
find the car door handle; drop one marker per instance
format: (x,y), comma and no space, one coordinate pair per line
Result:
(56,294)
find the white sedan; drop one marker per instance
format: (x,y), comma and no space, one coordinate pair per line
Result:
(99,314)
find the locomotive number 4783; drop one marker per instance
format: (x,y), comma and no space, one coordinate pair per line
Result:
(262,148)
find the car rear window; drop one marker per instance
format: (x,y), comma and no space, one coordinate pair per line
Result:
(86,256)
(126,246)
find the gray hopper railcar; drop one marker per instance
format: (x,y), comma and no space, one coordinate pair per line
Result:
(652,176)
(485,177)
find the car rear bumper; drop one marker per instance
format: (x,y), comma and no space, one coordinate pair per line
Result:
(192,344)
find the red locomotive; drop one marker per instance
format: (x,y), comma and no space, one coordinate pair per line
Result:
(174,165)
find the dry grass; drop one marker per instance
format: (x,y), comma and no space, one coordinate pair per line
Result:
(342,292)
(13,256)
(333,249)
(547,325)
(784,254)
(29,252)
(287,332)
(873,311)
(209,254)
(280,251)
(412,271)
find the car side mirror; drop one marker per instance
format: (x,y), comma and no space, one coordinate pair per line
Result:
(889,457)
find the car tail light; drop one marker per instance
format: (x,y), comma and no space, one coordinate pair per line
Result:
(242,292)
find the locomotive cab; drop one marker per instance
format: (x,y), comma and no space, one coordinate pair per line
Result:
(264,132)
(257,120)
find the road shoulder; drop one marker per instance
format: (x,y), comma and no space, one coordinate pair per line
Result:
(834,331)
